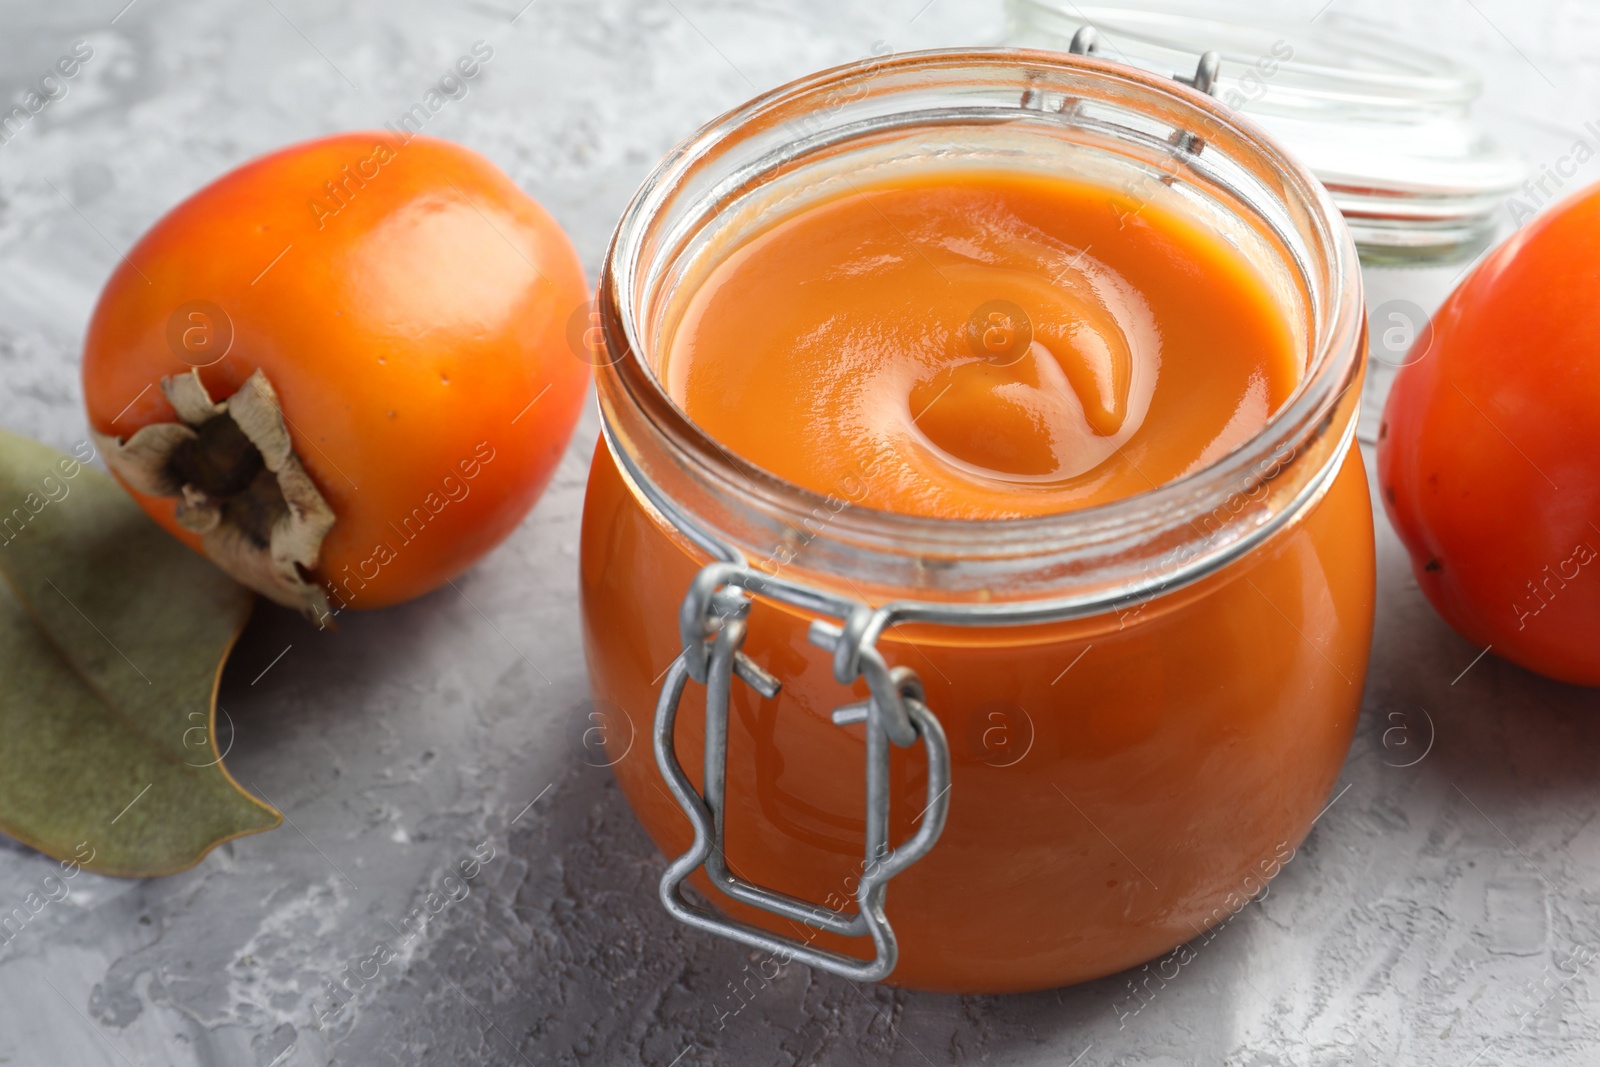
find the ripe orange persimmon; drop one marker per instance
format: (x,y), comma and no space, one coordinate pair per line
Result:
(403,305)
(1486,453)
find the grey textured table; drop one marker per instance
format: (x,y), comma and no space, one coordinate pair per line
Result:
(1442,912)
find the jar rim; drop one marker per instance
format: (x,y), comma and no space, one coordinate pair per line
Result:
(1085,542)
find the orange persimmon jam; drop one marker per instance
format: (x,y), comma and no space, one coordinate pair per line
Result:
(975,364)
(970,344)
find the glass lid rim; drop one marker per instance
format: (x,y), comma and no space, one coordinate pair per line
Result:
(1430,76)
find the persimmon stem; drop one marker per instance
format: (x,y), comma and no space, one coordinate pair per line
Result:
(239,485)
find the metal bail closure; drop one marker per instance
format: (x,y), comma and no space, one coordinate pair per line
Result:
(1086,42)
(713,625)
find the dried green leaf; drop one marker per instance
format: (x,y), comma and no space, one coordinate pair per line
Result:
(112,640)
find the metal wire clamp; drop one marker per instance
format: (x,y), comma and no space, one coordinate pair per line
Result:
(712,622)
(1086,42)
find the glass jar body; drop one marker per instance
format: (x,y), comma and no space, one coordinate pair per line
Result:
(1120,783)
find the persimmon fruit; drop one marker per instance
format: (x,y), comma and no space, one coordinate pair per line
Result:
(1487,458)
(403,306)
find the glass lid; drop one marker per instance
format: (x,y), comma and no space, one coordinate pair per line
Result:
(1383,124)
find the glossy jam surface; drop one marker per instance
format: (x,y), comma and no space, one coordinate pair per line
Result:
(975,344)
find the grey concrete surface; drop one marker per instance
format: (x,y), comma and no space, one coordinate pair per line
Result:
(1446,909)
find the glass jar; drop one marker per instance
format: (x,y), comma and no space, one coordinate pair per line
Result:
(1087,737)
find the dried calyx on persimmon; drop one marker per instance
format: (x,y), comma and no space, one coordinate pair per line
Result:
(239,483)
